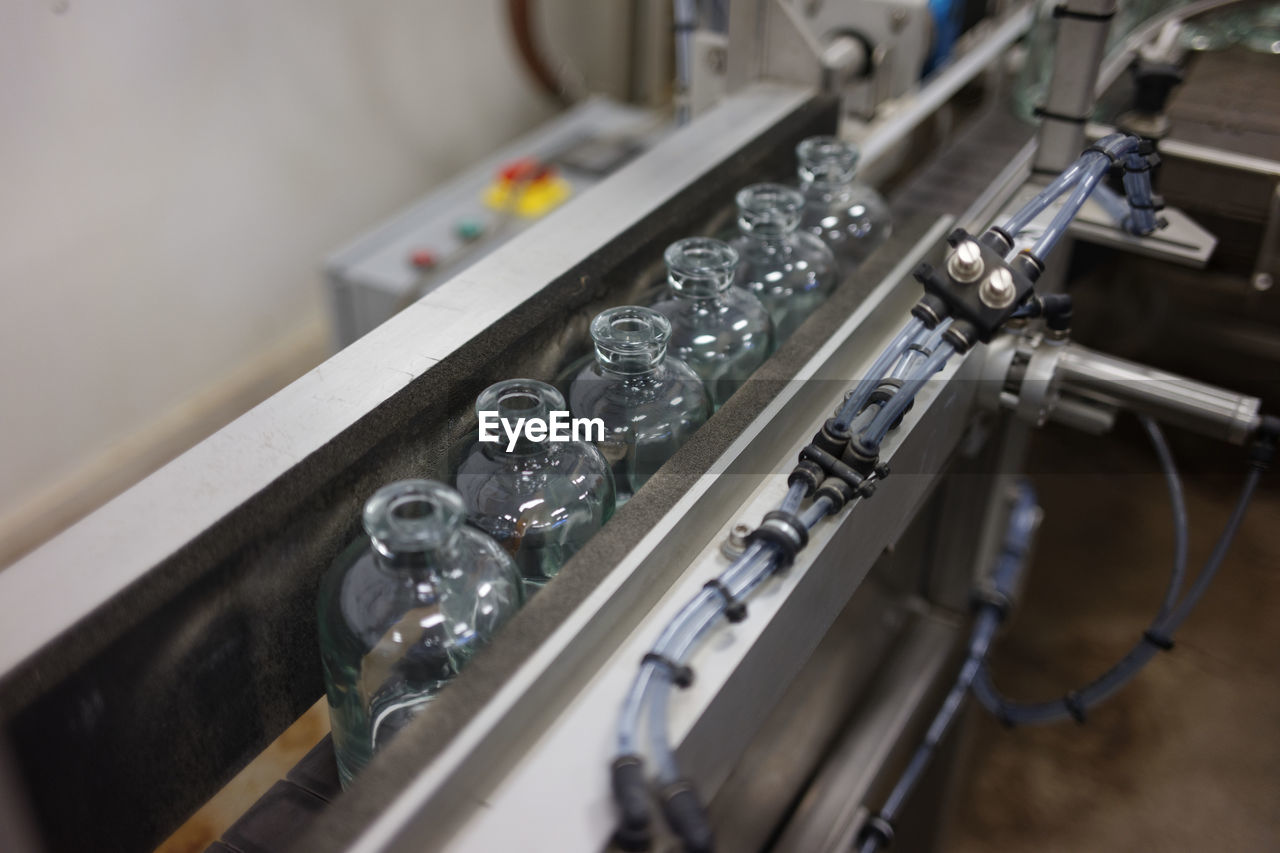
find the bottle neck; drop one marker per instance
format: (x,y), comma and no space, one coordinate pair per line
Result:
(517,402)
(826,165)
(412,525)
(773,241)
(700,270)
(827,189)
(768,215)
(422,565)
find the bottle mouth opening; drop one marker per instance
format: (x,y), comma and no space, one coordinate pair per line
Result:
(409,511)
(700,266)
(827,159)
(520,398)
(630,328)
(520,401)
(769,209)
(630,339)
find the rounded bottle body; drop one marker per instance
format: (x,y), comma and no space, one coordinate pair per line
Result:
(540,499)
(789,271)
(721,332)
(851,217)
(649,402)
(402,610)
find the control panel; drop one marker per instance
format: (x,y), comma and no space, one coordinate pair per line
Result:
(468,217)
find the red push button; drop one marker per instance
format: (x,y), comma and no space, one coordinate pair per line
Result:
(423,259)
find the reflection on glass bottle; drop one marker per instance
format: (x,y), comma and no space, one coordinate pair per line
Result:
(541,499)
(790,271)
(722,332)
(650,403)
(849,216)
(400,612)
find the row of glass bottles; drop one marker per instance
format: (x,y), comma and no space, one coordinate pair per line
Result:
(403,609)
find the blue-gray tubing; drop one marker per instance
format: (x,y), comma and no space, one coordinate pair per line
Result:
(1117,209)
(912,356)
(1097,161)
(884,420)
(1093,173)
(1137,186)
(1008,569)
(984,629)
(862,391)
(666,768)
(1046,196)
(707,601)
(1178,504)
(1021,714)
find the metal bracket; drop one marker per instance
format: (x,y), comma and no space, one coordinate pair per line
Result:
(1181,241)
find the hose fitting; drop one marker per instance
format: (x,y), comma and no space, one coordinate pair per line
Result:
(687,817)
(631,793)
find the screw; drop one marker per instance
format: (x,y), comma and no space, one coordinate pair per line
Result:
(1262,281)
(998,290)
(965,262)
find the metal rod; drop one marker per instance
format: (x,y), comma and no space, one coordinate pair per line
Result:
(1167,397)
(1077,58)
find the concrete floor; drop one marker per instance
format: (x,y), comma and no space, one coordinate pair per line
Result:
(1187,757)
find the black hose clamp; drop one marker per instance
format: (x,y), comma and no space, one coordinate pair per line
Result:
(786,532)
(1041,112)
(735,610)
(1075,707)
(1163,642)
(681,675)
(987,595)
(1061,11)
(1118,163)
(878,828)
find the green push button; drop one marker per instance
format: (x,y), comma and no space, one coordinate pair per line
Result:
(469,229)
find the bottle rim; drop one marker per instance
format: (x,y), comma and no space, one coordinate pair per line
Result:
(827,160)
(630,338)
(700,266)
(769,209)
(412,516)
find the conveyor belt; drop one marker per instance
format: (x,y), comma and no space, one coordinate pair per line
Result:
(958,175)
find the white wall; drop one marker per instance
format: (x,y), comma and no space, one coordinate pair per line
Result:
(172,173)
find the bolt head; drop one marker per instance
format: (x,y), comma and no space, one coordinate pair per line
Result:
(964,264)
(998,290)
(1262,281)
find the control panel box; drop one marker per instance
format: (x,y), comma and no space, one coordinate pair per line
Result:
(473,214)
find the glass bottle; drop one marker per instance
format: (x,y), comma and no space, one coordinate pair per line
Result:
(403,609)
(650,403)
(721,332)
(848,215)
(790,271)
(541,499)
